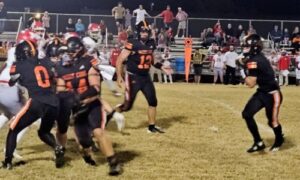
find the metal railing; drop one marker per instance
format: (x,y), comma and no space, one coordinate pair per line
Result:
(195,25)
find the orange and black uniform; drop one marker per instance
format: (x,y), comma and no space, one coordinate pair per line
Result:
(267,96)
(89,116)
(137,73)
(35,75)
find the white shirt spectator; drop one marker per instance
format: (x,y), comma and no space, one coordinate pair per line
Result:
(219,61)
(140,15)
(230,58)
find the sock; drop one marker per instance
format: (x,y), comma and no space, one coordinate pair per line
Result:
(112,160)
(278,131)
(109,116)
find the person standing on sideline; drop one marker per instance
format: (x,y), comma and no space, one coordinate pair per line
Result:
(218,66)
(268,94)
(283,67)
(197,59)
(181,18)
(230,58)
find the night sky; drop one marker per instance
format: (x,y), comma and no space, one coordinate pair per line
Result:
(265,9)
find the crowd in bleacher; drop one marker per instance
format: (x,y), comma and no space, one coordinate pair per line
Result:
(216,39)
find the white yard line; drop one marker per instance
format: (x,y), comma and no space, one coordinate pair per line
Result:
(236,112)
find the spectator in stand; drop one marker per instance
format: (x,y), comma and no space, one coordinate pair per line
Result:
(102,26)
(276,35)
(218,33)
(3,14)
(297,69)
(230,58)
(80,28)
(122,36)
(119,13)
(152,27)
(70,27)
(295,32)
(162,40)
(218,66)
(181,17)
(167,15)
(229,34)
(296,42)
(213,48)
(203,35)
(115,52)
(251,30)
(170,36)
(295,38)
(273,58)
(239,31)
(153,70)
(242,36)
(46,21)
(209,37)
(286,37)
(130,33)
(128,18)
(283,67)
(140,14)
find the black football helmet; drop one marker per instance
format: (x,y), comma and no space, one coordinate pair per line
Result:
(252,45)
(25,50)
(52,48)
(75,47)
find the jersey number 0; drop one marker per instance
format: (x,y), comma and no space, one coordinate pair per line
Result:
(42,76)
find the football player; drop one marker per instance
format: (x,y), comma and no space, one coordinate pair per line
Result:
(139,55)
(268,95)
(36,76)
(80,82)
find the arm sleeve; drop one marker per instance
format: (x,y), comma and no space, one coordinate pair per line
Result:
(252,67)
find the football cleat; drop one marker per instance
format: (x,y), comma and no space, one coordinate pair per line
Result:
(114,169)
(6,165)
(277,144)
(258,146)
(89,160)
(59,156)
(155,129)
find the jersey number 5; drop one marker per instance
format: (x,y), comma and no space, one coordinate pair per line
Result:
(145,61)
(42,76)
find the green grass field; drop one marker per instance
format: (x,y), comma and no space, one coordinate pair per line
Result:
(205,138)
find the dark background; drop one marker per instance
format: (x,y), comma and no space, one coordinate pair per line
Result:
(254,9)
